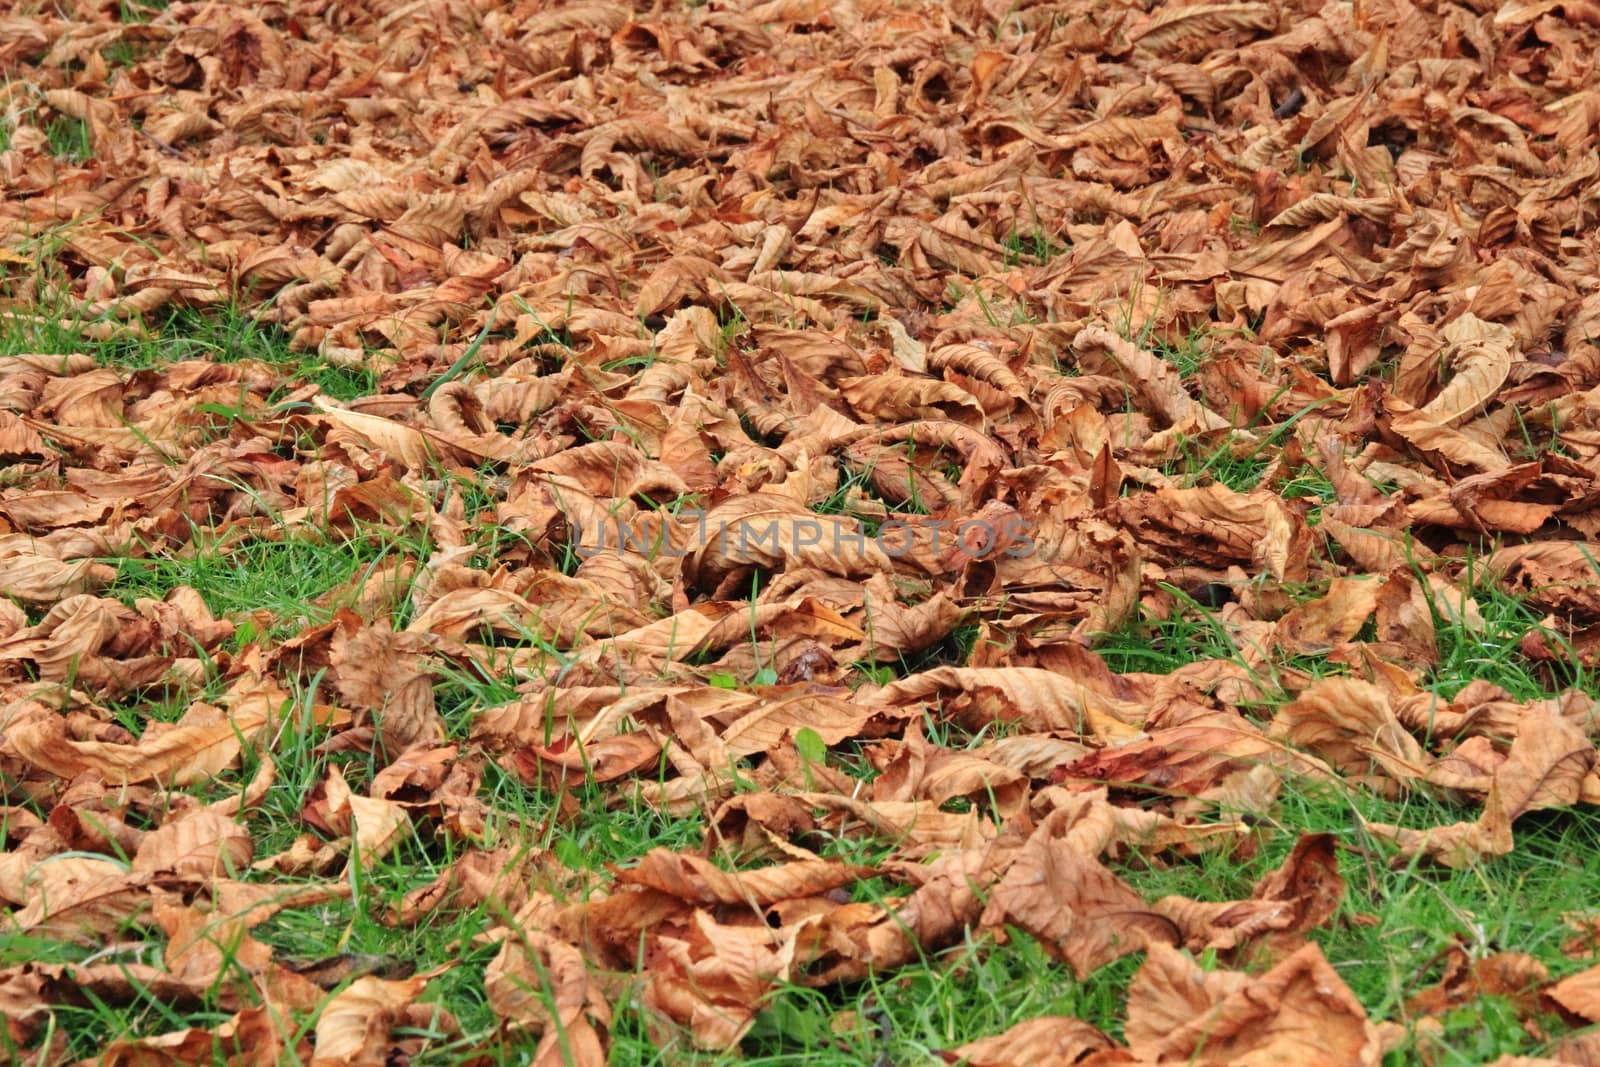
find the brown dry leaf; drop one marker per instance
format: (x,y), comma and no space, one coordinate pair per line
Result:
(1300,895)
(916,770)
(1516,976)
(1559,576)
(700,882)
(1102,351)
(855,940)
(1058,891)
(374,826)
(76,898)
(1329,620)
(1546,767)
(775,721)
(1300,1011)
(190,752)
(1048,1039)
(375,670)
(356,1025)
(710,980)
(200,844)
(1023,444)
(1351,725)
(540,983)
(891,398)
(1479,355)
(250,1038)
(1578,994)
(1218,526)
(1198,758)
(1036,699)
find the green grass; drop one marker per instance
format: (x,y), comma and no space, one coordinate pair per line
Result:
(220,335)
(122,53)
(1185,353)
(1158,646)
(69,139)
(1030,244)
(1198,464)
(298,580)
(139,11)
(1493,653)
(944,1000)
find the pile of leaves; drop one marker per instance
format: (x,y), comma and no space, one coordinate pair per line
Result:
(772,414)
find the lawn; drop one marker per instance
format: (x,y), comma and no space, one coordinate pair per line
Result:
(822,531)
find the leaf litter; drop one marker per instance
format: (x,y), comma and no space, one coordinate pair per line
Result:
(787,413)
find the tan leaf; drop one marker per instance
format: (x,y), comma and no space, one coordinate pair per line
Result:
(375,669)
(1299,895)
(540,983)
(1329,620)
(1038,699)
(712,977)
(1516,976)
(1049,1039)
(355,1026)
(1546,767)
(701,882)
(1299,1011)
(1174,26)
(1479,354)
(892,398)
(200,844)
(1579,994)
(1103,351)
(1350,724)
(1060,893)
(180,756)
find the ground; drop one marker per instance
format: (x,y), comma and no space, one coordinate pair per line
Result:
(822,531)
